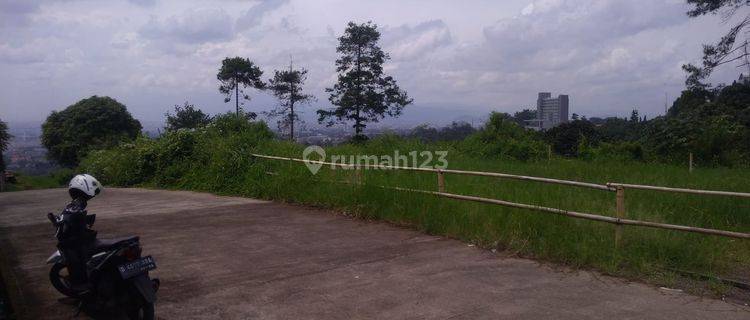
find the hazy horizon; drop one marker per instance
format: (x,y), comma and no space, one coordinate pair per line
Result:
(457,60)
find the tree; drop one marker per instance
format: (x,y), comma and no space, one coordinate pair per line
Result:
(90,124)
(725,50)
(634,117)
(286,86)
(522,116)
(714,125)
(425,132)
(363,93)
(569,137)
(237,74)
(4,140)
(501,137)
(187,116)
(455,131)
(616,130)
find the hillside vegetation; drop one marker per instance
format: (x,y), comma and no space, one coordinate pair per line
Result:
(216,158)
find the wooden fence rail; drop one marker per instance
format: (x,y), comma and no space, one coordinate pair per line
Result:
(459,172)
(581,215)
(619,188)
(680,190)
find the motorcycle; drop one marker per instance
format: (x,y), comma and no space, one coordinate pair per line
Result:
(116,272)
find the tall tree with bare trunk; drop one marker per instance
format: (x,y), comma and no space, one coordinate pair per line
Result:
(363,93)
(287,86)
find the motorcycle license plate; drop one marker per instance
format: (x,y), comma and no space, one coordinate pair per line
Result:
(134,268)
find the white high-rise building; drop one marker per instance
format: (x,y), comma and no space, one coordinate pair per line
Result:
(550,112)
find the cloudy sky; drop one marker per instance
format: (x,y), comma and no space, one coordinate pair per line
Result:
(457,59)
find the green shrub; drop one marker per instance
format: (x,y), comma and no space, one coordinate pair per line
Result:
(501,137)
(176,156)
(623,151)
(62,176)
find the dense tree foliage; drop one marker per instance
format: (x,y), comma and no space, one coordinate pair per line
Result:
(287,87)
(727,49)
(89,124)
(186,116)
(522,116)
(4,140)
(455,131)
(711,124)
(363,93)
(615,129)
(568,138)
(235,76)
(501,137)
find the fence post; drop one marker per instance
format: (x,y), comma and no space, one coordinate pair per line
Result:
(620,215)
(549,152)
(441,181)
(690,162)
(357,176)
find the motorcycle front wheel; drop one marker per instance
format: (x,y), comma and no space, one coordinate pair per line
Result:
(60,278)
(144,311)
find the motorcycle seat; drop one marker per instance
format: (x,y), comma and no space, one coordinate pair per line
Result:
(106,244)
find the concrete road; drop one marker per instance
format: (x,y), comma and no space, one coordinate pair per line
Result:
(235,258)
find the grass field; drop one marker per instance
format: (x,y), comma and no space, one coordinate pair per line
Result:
(529,233)
(29,182)
(223,165)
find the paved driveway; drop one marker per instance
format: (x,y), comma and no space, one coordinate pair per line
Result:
(236,258)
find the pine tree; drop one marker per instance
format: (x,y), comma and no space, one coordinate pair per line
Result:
(286,86)
(236,74)
(363,92)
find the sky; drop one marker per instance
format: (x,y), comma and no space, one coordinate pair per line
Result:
(458,60)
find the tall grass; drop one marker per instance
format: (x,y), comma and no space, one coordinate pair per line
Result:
(212,162)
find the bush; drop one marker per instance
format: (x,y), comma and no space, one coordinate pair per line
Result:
(501,137)
(175,158)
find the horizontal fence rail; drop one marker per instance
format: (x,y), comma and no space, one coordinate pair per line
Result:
(582,215)
(680,190)
(619,188)
(459,172)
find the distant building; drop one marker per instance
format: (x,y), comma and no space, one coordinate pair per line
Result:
(550,112)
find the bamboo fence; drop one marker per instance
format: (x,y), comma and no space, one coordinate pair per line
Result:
(619,220)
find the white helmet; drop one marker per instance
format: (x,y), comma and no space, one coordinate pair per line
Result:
(84,185)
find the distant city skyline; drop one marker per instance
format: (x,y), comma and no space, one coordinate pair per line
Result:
(457,60)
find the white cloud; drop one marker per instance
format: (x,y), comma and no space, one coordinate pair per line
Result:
(253,16)
(409,43)
(468,57)
(193,26)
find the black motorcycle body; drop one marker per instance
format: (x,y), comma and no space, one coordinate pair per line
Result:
(116,272)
